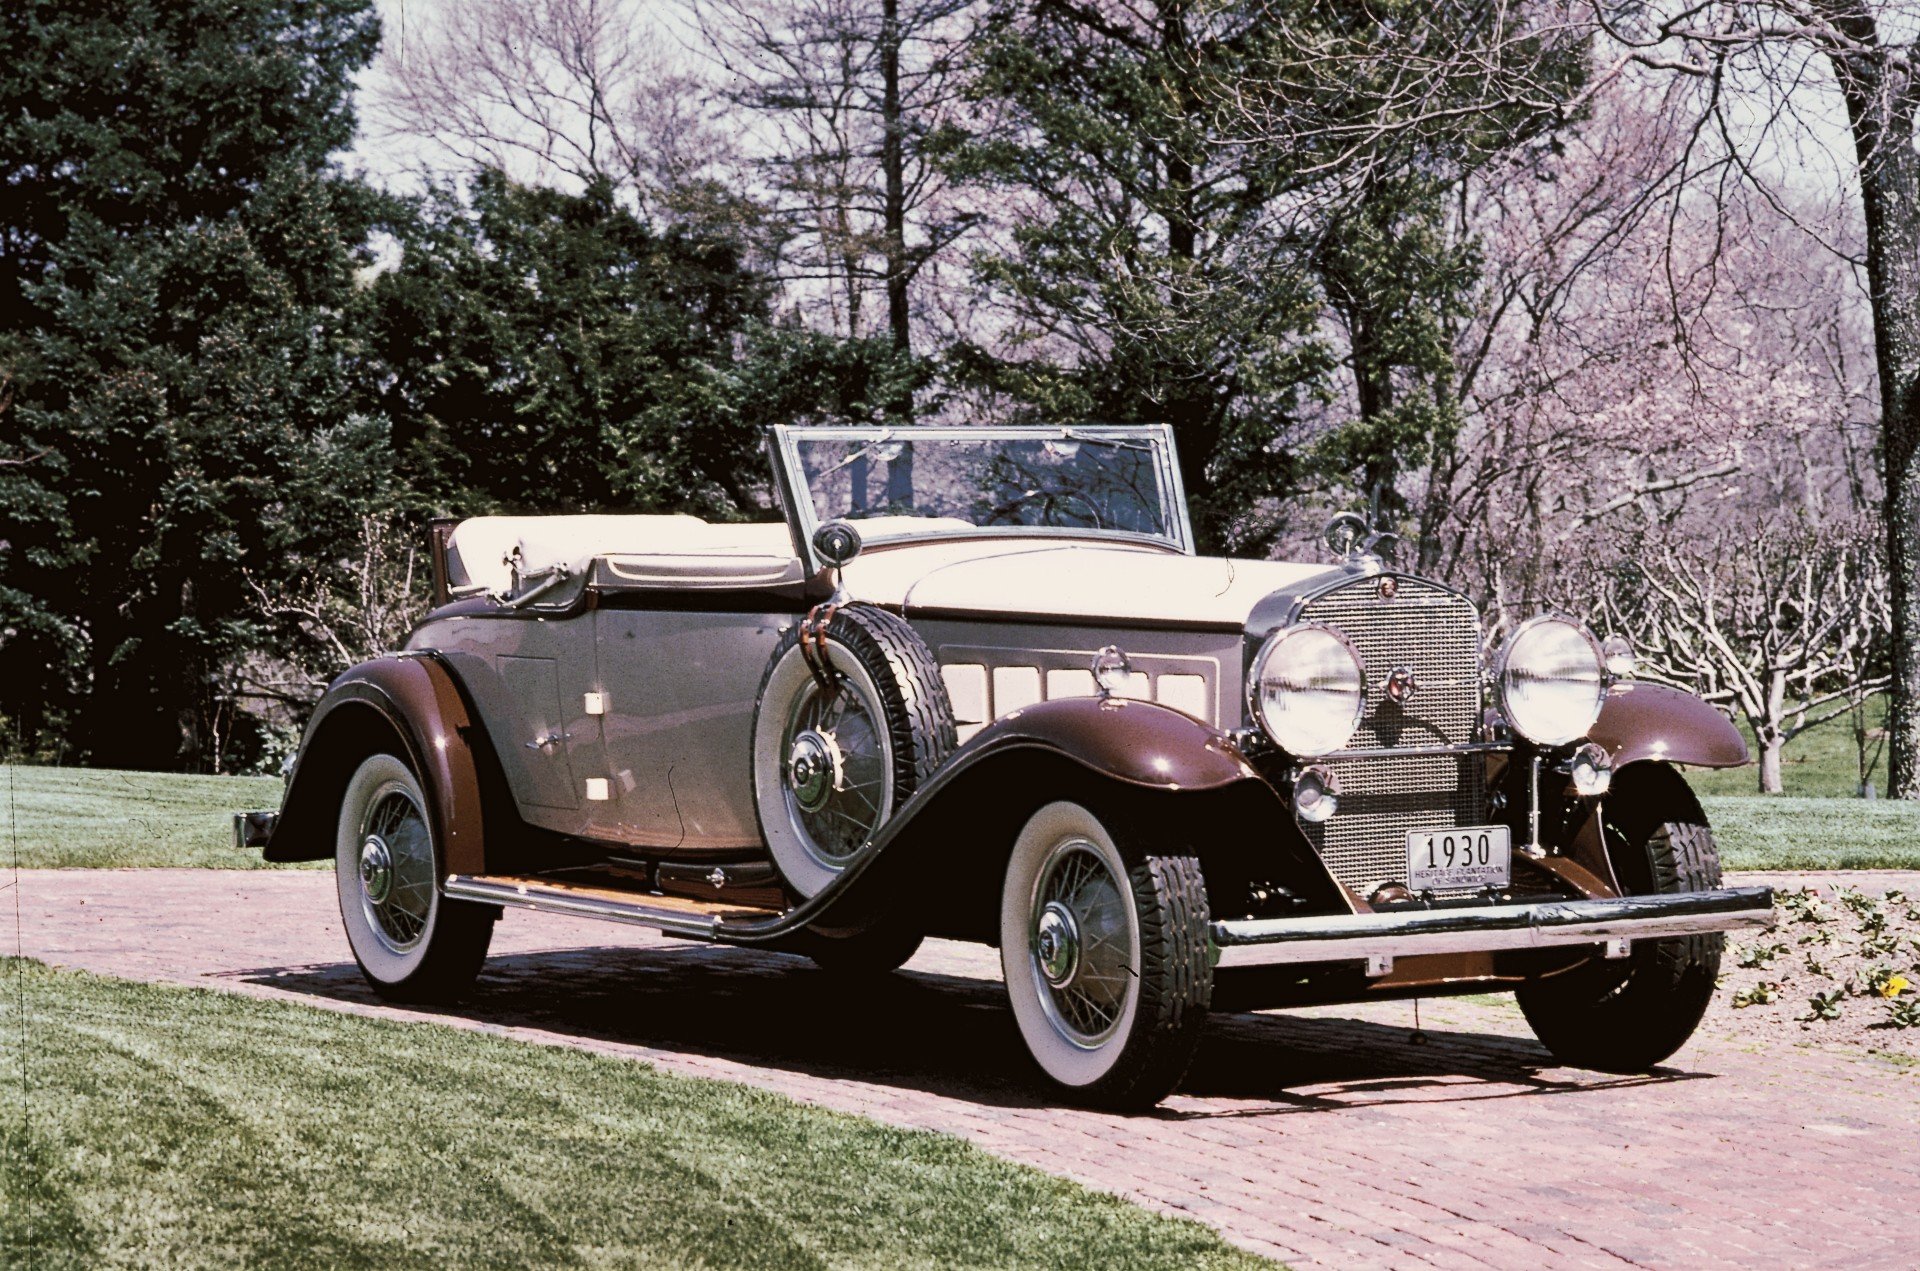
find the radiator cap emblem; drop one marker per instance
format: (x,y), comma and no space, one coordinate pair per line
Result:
(1401,685)
(1388,587)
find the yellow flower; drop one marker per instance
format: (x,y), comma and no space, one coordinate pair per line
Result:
(1894,987)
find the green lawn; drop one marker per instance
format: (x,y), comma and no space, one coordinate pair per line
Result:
(59,818)
(1785,832)
(184,1127)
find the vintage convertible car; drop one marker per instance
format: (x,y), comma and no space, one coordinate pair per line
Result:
(978,685)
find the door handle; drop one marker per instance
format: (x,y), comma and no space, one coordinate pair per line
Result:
(542,743)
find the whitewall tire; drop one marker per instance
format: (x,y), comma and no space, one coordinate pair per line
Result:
(410,941)
(1105,957)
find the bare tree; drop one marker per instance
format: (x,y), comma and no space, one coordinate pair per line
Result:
(555,91)
(342,614)
(1779,620)
(1764,68)
(851,95)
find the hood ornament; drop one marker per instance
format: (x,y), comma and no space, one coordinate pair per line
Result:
(1358,544)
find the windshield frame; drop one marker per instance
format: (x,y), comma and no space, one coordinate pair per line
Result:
(783,443)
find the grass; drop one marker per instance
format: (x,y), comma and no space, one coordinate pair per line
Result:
(183,1127)
(1786,832)
(63,818)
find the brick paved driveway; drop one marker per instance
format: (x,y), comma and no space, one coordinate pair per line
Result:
(1331,1136)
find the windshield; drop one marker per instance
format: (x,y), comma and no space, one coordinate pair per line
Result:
(918,482)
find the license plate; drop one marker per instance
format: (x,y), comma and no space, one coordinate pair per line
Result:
(1448,860)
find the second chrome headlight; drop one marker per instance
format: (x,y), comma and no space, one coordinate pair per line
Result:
(1552,681)
(1308,689)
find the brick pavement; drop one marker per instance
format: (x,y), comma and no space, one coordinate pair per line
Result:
(1325,1137)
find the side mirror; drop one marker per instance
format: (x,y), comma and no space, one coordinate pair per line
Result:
(837,543)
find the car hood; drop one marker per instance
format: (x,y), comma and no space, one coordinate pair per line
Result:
(1109,583)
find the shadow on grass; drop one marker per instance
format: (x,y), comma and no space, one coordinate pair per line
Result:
(954,1036)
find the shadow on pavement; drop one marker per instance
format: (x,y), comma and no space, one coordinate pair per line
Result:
(951,1035)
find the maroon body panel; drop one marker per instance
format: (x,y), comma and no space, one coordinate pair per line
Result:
(415,700)
(1651,721)
(1140,743)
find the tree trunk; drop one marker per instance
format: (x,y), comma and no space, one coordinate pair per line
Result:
(893,161)
(1881,100)
(1770,747)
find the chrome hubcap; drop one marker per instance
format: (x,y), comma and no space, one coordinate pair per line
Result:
(376,869)
(1056,943)
(813,769)
(837,768)
(1083,943)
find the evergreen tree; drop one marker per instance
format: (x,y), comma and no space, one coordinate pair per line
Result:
(551,352)
(175,262)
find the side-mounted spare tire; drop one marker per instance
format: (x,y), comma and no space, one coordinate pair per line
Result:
(832,764)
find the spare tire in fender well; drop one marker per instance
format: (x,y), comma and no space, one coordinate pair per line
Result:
(945,851)
(409,704)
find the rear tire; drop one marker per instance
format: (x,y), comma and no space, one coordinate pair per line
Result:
(412,943)
(1629,1014)
(1106,959)
(872,951)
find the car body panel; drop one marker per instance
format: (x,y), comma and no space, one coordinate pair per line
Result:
(1643,722)
(1085,583)
(410,699)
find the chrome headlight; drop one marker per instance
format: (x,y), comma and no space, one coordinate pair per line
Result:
(1552,681)
(1308,689)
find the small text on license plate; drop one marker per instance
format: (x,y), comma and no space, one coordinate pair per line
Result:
(1447,860)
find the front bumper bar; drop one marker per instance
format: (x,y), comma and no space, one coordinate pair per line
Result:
(1378,938)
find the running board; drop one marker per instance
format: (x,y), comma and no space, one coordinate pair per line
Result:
(675,915)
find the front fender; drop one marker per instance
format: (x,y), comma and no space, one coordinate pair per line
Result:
(1140,743)
(1653,722)
(409,699)
(1157,776)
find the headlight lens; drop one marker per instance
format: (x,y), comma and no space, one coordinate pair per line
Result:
(1552,681)
(1308,690)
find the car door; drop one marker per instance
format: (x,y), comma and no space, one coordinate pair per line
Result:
(681,687)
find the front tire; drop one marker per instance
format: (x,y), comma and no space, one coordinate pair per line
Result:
(1628,1015)
(412,943)
(1106,959)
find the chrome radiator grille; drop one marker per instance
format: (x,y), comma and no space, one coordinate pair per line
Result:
(1435,635)
(1383,798)
(1429,631)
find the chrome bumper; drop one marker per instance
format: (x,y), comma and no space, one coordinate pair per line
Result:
(251,830)
(1378,938)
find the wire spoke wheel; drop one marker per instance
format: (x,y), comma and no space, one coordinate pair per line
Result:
(412,943)
(1105,953)
(396,869)
(836,770)
(1082,942)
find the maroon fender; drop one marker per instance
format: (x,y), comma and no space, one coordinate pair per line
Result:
(1140,743)
(1651,721)
(946,847)
(410,696)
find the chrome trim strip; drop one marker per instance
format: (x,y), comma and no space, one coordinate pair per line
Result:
(1422,752)
(1356,937)
(553,900)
